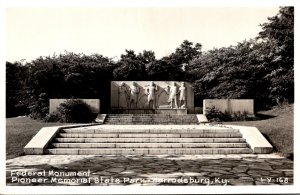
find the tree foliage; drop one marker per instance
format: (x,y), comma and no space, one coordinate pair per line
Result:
(132,66)
(231,72)
(278,36)
(68,75)
(16,89)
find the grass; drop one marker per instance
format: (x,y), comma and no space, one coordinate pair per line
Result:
(277,125)
(19,132)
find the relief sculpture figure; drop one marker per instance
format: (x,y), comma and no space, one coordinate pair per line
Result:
(134,93)
(173,96)
(182,95)
(123,96)
(150,90)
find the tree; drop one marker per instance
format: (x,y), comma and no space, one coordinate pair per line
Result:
(146,57)
(186,52)
(228,72)
(16,89)
(40,85)
(172,67)
(278,36)
(163,70)
(68,75)
(132,66)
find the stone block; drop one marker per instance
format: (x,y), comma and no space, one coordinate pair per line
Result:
(230,105)
(40,140)
(255,139)
(242,105)
(201,118)
(100,118)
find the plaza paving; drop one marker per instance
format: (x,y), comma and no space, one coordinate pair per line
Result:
(247,169)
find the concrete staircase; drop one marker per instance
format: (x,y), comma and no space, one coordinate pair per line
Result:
(148,140)
(150,119)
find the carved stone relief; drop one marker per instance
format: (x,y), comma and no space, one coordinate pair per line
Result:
(151,95)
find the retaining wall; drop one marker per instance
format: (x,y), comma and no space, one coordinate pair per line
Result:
(230,105)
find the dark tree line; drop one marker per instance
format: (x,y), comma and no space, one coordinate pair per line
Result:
(261,68)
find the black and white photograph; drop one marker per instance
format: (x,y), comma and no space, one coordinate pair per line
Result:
(148,98)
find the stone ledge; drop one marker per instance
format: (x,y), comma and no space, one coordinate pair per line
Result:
(41,140)
(201,118)
(255,139)
(100,118)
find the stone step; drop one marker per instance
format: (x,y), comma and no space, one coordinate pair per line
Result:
(151,115)
(125,119)
(147,130)
(154,115)
(149,140)
(150,118)
(142,123)
(148,151)
(148,121)
(136,135)
(150,145)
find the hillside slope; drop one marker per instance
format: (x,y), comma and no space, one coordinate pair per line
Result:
(277,125)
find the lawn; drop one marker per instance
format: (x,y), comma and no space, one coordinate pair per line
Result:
(277,127)
(19,132)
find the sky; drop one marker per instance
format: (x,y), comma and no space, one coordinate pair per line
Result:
(32,32)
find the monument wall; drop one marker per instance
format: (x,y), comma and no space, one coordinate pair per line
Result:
(230,105)
(167,97)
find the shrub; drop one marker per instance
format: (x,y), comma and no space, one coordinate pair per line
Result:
(75,111)
(239,116)
(39,106)
(53,117)
(213,114)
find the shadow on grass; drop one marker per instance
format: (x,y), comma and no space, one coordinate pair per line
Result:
(275,149)
(289,156)
(264,116)
(151,167)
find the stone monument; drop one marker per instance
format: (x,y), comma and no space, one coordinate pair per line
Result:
(152,97)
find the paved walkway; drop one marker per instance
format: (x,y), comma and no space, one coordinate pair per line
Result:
(248,169)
